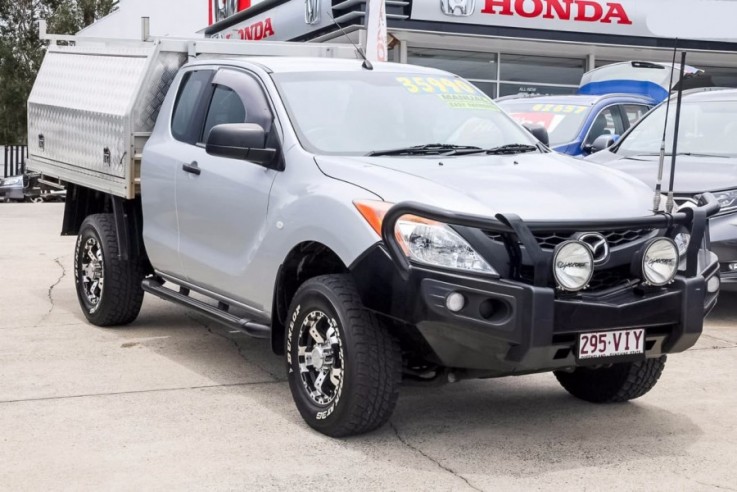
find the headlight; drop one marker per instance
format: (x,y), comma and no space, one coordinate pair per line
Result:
(573,265)
(660,262)
(682,240)
(15,180)
(727,200)
(434,243)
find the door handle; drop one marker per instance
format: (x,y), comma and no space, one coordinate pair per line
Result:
(192,168)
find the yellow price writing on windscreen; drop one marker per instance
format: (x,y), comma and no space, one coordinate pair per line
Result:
(434,85)
(559,108)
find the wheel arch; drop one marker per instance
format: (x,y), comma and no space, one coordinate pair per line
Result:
(81,202)
(306,260)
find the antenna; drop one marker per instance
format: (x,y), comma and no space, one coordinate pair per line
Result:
(669,203)
(658,186)
(366,63)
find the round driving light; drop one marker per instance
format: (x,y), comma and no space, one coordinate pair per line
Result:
(713,285)
(660,262)
(573,265)
(455,301)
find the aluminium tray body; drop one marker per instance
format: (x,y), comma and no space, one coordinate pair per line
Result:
(92,108)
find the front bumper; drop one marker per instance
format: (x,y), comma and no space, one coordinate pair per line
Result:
(508,327)
(514,325)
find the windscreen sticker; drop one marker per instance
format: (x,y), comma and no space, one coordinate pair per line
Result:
(435,85)
(468,101)
(559,108)
(457,94)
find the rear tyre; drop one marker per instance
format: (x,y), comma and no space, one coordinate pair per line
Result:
(344,368)
(616,383)
(109,289)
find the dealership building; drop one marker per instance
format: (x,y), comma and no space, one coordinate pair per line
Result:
(504,46)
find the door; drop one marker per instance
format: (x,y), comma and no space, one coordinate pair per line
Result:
(607,122)
(168,147)
(222,202)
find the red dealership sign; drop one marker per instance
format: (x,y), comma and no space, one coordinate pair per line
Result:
(610,17)
(569,10)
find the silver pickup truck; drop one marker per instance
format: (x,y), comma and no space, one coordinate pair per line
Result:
(376,223)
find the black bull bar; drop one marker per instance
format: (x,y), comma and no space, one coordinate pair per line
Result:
(693,219)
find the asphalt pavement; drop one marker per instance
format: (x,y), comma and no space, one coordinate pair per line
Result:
(176,402)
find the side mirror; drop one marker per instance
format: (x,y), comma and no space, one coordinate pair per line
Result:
(244,141)
(601,143)
(540,133)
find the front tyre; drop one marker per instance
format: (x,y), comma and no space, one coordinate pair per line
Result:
(108,288)
(615,383)
(344,368)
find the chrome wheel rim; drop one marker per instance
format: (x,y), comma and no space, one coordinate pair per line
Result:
(320,357)
(92,271)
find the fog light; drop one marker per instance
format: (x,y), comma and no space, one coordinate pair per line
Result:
(455,301)
(573,265)
(713,285)
(660,262)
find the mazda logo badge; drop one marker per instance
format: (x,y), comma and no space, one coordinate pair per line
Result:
(598,244)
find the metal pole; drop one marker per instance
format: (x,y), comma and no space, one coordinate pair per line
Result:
(145,28)
(669,203)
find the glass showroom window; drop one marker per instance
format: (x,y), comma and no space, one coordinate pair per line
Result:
(477,67)
(539,75)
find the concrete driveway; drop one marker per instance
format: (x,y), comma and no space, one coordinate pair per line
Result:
(174,402)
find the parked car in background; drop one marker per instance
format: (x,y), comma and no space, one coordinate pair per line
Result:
(31,187)
(706,161)
(652,80)
(575,122)
(11,188)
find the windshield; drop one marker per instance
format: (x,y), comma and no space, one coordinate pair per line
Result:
(359,113)
(562,121)
(708,128)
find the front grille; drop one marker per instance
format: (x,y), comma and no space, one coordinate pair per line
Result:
(611,277)
(549,240)
(601,280)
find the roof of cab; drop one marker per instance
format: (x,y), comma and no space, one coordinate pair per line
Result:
(710,94)
(283,64)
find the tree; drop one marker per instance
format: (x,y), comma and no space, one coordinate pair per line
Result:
(21,50)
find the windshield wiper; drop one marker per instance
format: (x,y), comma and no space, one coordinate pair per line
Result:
(427,149)
(701,154)
(670,154)
(515,148)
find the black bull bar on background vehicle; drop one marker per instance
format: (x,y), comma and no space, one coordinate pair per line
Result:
(540,331)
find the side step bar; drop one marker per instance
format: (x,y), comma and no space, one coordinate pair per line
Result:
(218,314)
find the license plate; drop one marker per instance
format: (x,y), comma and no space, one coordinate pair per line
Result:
(611,344)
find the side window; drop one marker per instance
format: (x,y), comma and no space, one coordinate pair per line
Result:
(237,98)
(225,107)
(183,122)
(633,113)
(607,122)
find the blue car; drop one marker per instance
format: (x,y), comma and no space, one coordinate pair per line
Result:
(574,123)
